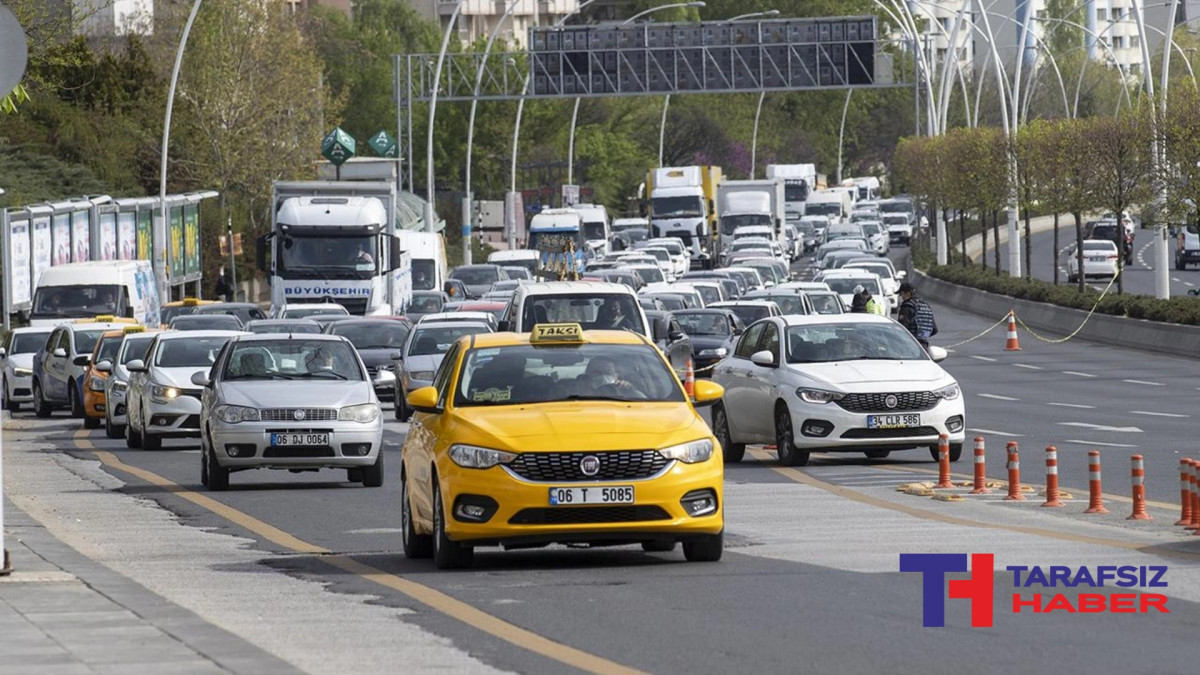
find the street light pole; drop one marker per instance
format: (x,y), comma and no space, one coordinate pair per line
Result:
(433,97)
(160,227)
(761,95)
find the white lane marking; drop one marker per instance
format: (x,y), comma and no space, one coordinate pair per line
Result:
(1156,414)
(1107,445)
(1177,280)
(1149,384)
(998,397)
(994,432)
(1188,283)
(1072,405)
(1026,365)
(1101,427)
(1072,372)
(376,530)
(987,358)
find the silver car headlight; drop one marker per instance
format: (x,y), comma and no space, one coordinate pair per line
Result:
(421,375)
(948,392)
(689,453)
(233,414)
(719,351)
(818,395)
(363,414)
(474,457)
(162,394)
(95,383)
(119,387)
(22,372)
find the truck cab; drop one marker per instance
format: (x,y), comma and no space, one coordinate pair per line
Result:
(682,205)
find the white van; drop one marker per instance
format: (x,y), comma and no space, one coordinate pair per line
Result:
(521,257)
(428,251)
(583,302)
(596,229)
(83,290)
(835,204)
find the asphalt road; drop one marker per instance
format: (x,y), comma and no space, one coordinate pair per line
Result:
(1139,277)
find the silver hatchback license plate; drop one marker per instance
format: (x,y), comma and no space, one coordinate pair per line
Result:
(567,496)
(299,439)
(893,421)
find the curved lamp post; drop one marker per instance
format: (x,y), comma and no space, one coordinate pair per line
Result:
(761,95)
(433,97)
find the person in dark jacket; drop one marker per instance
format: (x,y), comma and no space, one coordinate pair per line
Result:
(916,315)
(224,291)
(858,304)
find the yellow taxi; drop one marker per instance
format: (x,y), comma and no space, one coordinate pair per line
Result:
(107,318)
(93,380)
(175,308)
(559,436)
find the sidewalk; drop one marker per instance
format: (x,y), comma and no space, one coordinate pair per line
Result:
(62,613)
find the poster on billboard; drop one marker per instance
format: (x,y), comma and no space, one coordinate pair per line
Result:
(191,231)
(18,262)
(108,236)
(175,263)
(127,235)
(145,235)
(81,236)
(43,246)
(62,239)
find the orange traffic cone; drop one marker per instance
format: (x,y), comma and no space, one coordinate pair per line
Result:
(1011,344)
(689,380)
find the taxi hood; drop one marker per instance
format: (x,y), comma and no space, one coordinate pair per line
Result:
(580,425)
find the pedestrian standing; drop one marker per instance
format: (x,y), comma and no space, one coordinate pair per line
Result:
(224,291)
(916,315)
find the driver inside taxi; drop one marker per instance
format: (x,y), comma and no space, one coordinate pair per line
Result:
(601,372)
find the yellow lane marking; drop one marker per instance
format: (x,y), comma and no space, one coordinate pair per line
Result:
(848,493)
(425,595)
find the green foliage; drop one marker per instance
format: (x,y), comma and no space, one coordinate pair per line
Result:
(31,175)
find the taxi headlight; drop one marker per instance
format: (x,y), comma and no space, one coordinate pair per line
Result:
(22,372)
(689,453)
(95,383)
(119,387)
(422,375)
(948,392)
(363,414)
(474,457)
(232,414)
(818,395)
(719,351)
(163,394)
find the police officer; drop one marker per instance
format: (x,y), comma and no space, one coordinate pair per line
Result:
(916,315)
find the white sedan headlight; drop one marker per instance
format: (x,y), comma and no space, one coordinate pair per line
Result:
(948,392)
(233,414)
(119,387)
(22,372)
(474,457)
(163,394)
(364,414)
(819,395)
(719,351)
(689,453)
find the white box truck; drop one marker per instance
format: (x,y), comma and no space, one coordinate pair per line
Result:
(799,181)
(750,202)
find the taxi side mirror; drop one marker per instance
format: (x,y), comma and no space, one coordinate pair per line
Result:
(424,400)
(104,366)
(136,366)
(706,393)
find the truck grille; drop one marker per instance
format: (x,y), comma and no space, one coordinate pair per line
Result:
(289,414)
(564,466)
(905,401)
(355,305)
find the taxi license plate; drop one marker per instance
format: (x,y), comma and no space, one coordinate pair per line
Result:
(299,439)
(617,494)
(893,421)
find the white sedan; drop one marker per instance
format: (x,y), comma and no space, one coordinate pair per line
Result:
(835,383)
(1099,260)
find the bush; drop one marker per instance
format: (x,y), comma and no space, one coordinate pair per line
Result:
(1182,309)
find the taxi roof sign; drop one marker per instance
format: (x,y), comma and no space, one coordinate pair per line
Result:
(134,329)
(191,302)
(547,333)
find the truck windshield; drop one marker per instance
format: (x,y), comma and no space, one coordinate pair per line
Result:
(687,206)
(76,301)
(895,207)
(594,231)
(731,223)
(795,191)
(824,209)
(327,257)
(424,275)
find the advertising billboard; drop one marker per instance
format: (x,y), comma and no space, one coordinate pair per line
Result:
(81,236)
(18,262)
(175,261)
(43,246)
(108,236)
(145,235)
(127,235)
(62,239)
(191,230)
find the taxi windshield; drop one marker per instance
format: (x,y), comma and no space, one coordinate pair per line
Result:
(108,349)
(134,348)
(85,340)
(576,372)
(292,359)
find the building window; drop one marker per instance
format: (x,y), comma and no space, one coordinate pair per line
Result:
(1101,14)
(1117,14)
(1118,42)
(1135,42)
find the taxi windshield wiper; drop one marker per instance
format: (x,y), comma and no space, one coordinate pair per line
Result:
(260,376)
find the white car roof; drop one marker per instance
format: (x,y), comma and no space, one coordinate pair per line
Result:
(805,285)
(188,334)
(817,319)
(33,329)
(452,324)
(456,317)
(744,303)
(92,326)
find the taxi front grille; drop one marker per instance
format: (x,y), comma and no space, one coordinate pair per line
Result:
(905,401)
(289,414)
(575,515)
(565,466)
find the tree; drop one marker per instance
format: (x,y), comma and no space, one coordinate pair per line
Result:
(1078,195)
(1121,168)
(1046,165)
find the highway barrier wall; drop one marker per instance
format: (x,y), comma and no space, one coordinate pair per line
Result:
(1055,322)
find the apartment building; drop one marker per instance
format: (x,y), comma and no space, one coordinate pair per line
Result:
(479,18)
(106,18)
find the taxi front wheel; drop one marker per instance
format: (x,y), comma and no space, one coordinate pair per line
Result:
(708,549)
(447,554)
(415,545)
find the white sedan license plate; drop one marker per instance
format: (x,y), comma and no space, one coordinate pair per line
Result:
(893,421)
(299,439)
(617,494)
